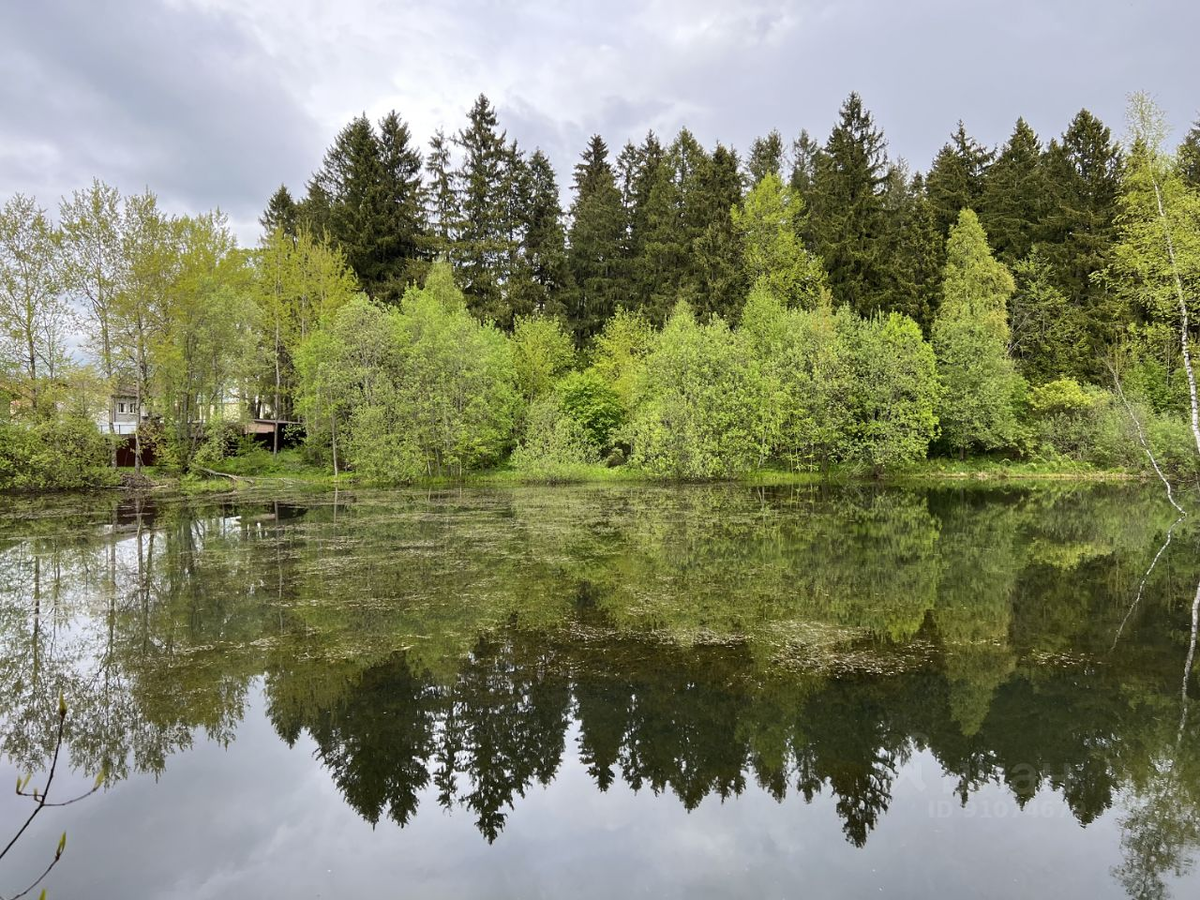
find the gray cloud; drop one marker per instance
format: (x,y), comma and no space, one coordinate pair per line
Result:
(214,102)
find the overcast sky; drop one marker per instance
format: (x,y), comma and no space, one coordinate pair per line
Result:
(215,102)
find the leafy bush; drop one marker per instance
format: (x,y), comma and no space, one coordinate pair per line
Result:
(54,454)
(591,402)
(1066,417)
(222,440)
(695,415)
(896,392)
(380,451)
(556,445)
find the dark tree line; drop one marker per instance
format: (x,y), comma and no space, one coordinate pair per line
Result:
(651,224)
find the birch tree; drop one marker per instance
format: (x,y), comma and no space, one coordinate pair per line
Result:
(93,268)
(1157,258)
(149,246)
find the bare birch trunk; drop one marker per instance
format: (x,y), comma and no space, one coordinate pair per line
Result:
(1183,315)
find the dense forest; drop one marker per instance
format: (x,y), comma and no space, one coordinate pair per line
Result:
(693,313)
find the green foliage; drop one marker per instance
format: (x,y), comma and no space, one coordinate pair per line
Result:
(54,453)
(770,223)
(298,282)
(595,257)
(896,393)
(589,399)
(1067,417)
(222,440)
(35,319)
(1142,271)
(542,352)
(379,447)
(556,445)
(455,380)
(620,350)
(693,419)
(1150,364)
(802,382)
(423,390)
(970,337)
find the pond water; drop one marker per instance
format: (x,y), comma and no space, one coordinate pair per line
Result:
(716,691)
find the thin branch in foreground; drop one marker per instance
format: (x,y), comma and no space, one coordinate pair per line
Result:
(41,801)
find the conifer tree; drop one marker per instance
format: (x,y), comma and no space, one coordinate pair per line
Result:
(766,157)
(1014,195)
(915,246)
(970,338)
(716,249)
(1189,157)
(441,198)
(846,211)
(366,197)
(956,180)
(483,226)
(1046,338)
(1084,173)
(643,170)
(405,240)
(676,215)
(596,239)
(805,152)
(544,238)
(281,213)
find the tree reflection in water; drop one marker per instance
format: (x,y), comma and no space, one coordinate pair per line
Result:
(684,640)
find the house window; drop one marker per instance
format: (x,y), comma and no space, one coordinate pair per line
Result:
(121,407)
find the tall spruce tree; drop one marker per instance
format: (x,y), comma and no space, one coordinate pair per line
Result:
(544,238)
(716,255)
(642,168)
(1014,195)
(281,213)
(766,157)
(483,239)
(956,180)
(676,213)
(441,198)
(805,152)
(405,244)
(846,209)
(915,248)
(596,240)
(366,197)
(1084,174)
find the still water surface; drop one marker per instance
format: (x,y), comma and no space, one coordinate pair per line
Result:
(606,691)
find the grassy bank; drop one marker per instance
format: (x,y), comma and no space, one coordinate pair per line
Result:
(290,470)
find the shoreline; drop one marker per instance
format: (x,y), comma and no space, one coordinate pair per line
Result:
(932,473)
